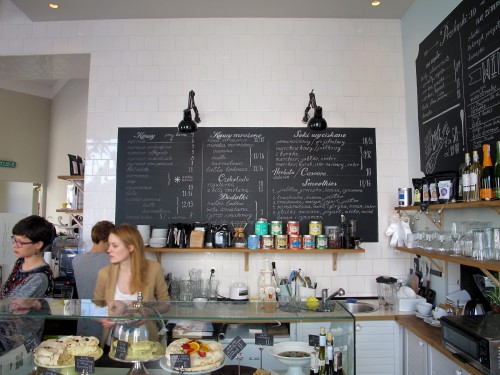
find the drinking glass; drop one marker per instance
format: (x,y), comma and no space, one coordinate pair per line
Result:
(456,233)
(478,244)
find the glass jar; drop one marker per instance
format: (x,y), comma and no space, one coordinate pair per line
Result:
(334,238)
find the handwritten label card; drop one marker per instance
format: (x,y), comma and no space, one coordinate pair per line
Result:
(50,372)
(180,360)
(264,339)
(234,347)
(84,363)
(121,349)
(31,344)
(313,340)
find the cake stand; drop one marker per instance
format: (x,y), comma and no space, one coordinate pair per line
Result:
(284,353)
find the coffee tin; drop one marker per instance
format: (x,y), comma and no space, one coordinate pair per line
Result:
(267,241)
(292,227)
(308,241)
(295,241)
(276,227)
(315,228)
(281,241)
(254,241)
(321,241)
(404,197)
(261,227)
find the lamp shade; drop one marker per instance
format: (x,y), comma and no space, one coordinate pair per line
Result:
(317,123)
(187,125)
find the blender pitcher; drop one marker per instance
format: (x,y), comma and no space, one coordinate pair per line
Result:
(387,290)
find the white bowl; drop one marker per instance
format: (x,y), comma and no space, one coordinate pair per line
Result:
(159,233)
(199,302)
(424,308)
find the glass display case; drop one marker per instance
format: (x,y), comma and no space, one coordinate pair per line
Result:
(22,321)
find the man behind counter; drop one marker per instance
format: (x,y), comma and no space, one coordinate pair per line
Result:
(86,267)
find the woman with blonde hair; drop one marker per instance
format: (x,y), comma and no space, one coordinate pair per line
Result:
(128,274)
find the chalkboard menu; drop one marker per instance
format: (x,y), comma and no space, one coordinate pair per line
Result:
(458,80)
(238,175)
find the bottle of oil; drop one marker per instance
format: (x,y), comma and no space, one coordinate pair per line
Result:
(475,177)
(497,172)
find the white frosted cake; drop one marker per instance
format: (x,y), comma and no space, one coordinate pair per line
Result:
(62,351)
(204,355)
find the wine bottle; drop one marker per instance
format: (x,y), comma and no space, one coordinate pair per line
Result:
(322,351)
(465,179)
(475,177)
(329,354)
(487,175)
(497,173)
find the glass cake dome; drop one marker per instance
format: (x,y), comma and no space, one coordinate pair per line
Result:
(138,336)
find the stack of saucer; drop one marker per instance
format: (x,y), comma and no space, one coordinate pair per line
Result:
(145,231)
(158,237)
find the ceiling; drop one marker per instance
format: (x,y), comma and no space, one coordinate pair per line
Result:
(45,75)
(70,10)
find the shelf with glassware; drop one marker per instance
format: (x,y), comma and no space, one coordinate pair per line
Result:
(75,214)
(484,265)
(246,252)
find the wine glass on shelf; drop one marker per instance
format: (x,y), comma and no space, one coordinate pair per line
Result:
(456,233)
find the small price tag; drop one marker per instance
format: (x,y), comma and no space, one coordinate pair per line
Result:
(313,340)
(121,349)
(50,372)
(264,339)
(83,363)
(180,360)
(234,347)
(31,344)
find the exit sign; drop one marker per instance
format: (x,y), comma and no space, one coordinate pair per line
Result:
(7,164)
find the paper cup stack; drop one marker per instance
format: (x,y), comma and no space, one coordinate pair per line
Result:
(145,231)
(158,237)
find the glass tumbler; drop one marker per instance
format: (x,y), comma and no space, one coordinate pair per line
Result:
(478,244)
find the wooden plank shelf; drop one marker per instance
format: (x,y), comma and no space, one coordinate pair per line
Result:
(246,252)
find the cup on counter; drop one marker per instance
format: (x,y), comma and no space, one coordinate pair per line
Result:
(199,302)
(424,308)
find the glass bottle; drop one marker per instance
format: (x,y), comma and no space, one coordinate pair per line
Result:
(497,173)
(487,175)
(322,351)
(475,177)
(334,238)
(464,180)
(329,354)
(239,237)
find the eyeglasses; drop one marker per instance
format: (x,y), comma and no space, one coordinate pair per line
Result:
(18,243)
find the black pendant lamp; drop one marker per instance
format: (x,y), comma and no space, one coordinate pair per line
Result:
(317,123)
(187,125)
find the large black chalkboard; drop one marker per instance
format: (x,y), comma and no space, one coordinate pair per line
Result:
(237,175)
(458,81)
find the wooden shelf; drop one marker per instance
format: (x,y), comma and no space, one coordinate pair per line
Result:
(494,204)
(72,178)
(70,211)
(484,265)
(334,252)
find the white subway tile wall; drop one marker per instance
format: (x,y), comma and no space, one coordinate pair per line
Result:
(245,72)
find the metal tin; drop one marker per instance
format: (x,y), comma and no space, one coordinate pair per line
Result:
(261,227)
(321,241)
(276,227)
(308,241)
(404,195)
(295,241)
(267,241)
(281,241)
(292,227)
(253,241)
(315,228)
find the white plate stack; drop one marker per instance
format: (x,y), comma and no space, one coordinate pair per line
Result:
(145,231)
(158,237)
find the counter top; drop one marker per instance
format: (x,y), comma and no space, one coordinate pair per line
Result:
(431,335)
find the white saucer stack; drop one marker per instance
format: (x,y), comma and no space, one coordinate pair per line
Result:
(158,237)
